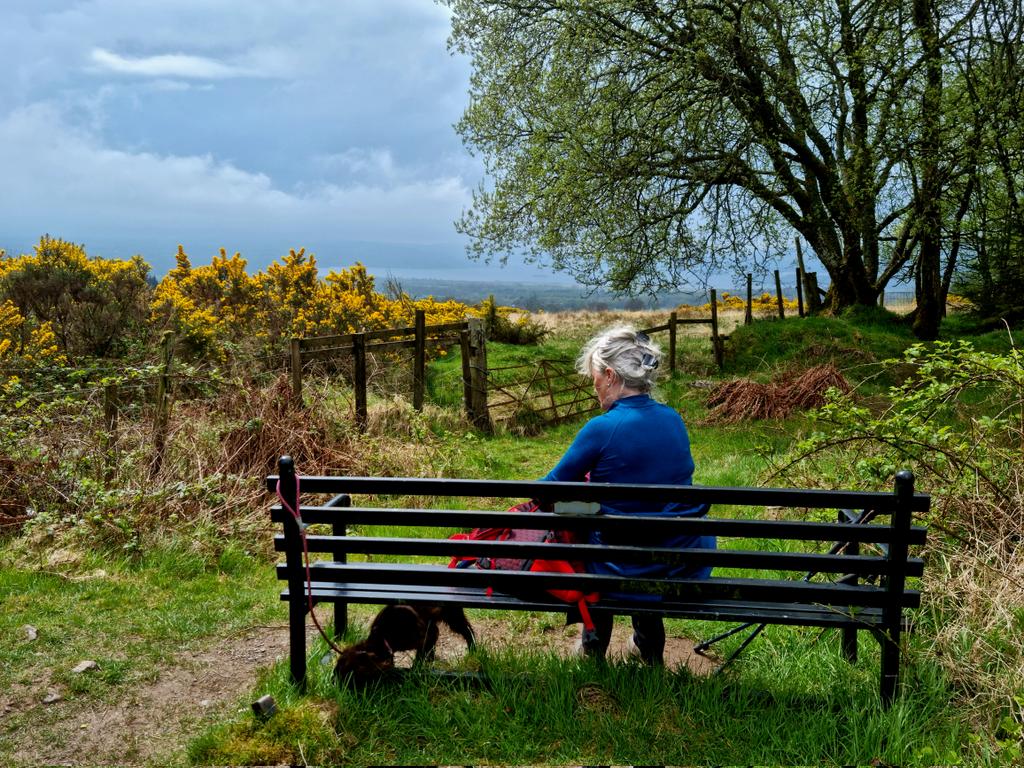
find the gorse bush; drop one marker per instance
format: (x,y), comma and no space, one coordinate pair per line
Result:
(501,326)
(220,307)
(59,304)
(765,305)
(69,303)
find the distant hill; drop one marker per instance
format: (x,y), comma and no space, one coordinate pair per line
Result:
(540,296)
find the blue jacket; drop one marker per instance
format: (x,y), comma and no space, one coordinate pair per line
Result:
(637,440)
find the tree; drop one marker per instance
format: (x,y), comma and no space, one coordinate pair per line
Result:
(991,223)
(631,142)
(930,299)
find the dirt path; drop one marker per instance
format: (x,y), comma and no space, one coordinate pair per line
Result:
(154,722)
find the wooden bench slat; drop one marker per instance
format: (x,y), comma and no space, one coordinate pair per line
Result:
(795,591)
(859,565)
(564,491)
(668,526)
(772,613)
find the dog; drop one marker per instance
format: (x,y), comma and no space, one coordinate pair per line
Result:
(399,628)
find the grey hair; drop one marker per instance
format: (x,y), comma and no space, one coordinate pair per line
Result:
(633,357)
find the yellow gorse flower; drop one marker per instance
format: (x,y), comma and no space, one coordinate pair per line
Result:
(219,304)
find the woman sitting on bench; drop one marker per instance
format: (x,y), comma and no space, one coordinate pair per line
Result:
(636,440)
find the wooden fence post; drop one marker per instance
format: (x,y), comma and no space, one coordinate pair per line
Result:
(716,341)
(419,360)
(162,418)
(296,354)
(359,378)
(467,390)
(492,316)
(810,282)
(778,295)
(799,293)
(748,318)
(478,375)
(813,294)
(672,320)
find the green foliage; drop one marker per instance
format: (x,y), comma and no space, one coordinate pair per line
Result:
(628,144)
(989,107)
(958,422)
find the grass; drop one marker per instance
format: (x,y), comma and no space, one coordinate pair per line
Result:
(790,698)
(75,607)
(793,703)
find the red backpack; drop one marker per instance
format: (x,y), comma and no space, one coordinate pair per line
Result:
(576,596)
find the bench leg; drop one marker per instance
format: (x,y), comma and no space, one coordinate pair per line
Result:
(890,641)
(849,634)
(849,643)
(340,621)
(340,609)
(297,639)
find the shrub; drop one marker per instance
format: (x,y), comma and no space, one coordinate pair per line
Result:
(219,308)
(510,325)
(958,423)
(90,305)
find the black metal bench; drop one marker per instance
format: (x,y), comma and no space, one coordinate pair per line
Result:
(862,584)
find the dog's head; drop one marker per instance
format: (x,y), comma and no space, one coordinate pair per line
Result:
(360,666)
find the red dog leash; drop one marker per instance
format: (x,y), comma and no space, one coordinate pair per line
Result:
(305,555)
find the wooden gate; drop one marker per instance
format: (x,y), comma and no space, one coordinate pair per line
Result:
(546,392)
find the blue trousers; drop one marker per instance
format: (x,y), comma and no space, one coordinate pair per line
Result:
(648,636)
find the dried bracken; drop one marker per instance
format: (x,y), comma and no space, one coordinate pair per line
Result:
(744,399)
(276,424)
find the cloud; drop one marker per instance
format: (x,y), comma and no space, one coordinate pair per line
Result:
(167,66)
(64,180)
(134,126)
(359,161)
(175,86)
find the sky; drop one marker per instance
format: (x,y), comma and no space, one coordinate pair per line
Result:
(132,126)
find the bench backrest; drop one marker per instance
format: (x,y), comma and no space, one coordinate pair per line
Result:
(769,570)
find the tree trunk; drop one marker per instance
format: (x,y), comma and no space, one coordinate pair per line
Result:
(850,288)
(928,315)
